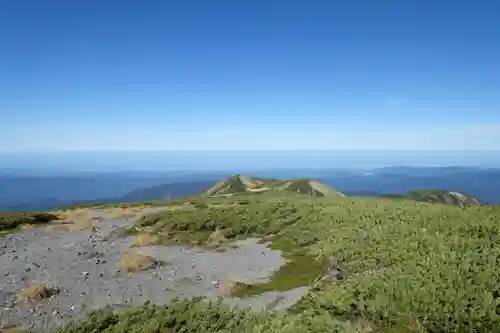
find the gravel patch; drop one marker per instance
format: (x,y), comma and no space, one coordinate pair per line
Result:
(84,266)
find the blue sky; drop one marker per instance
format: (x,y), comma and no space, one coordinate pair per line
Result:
(249,75)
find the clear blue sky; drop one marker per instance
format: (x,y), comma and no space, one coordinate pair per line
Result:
(204,75)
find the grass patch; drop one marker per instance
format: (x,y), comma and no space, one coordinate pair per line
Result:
(142,204)
(14,330)
(83,224)
(301,269)
(216,238)
(229,287)
(146,239)
(78,219)
(36,292)
(119,212)
(11,221)
(135,261)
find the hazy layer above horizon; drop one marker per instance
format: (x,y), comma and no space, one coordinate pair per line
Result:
(243,160)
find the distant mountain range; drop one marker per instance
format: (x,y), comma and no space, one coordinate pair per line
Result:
(158,192)
(483,184)
(430,184)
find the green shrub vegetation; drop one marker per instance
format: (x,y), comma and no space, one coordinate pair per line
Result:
(407,266)
(9,221)
(153,203)
(198,316)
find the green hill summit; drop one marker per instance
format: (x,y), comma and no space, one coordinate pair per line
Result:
(238,184)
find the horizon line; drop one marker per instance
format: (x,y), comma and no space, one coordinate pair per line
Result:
(242,150)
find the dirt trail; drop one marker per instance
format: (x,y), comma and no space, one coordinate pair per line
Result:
(85,266)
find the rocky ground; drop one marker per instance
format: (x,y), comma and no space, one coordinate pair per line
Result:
(81,269)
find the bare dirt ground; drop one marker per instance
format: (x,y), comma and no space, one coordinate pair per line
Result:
(50,275)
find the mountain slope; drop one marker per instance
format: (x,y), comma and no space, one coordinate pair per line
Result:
(167,191)
(392,262)
(158,192)
(239,184)
(439,196)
